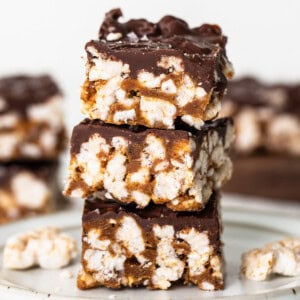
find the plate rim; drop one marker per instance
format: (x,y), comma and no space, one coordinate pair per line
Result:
(72,218)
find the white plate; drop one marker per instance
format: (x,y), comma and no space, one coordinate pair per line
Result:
(244,229)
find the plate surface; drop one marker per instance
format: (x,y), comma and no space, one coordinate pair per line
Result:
(245,228)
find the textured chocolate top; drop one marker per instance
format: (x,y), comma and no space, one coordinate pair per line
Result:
(137,134)
(43,170)
(249,91)
(96,209)
(143,43)
(20,91)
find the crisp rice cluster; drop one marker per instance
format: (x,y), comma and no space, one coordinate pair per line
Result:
(281,257)
(186,253)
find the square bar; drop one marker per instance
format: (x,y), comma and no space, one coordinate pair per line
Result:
(179,168)
(150,74)
(267,146)
(154,247)
(27,189)
(31,120)
(267,116)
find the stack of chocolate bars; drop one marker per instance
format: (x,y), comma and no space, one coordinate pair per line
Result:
(267,145)
(150,161)
(32,135)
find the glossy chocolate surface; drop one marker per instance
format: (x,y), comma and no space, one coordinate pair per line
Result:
(143,43)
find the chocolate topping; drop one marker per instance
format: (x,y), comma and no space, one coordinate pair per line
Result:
(96,209)
(137,134)
(20,91)
(42,169)
(202,49)
(249,91)
(167,27)
(139,26)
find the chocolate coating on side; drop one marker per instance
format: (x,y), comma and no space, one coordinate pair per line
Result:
(202,49)
(208,219)
(137,134)
(21,91)
(250,91)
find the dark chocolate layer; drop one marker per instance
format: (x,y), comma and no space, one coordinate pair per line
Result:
(137,134)
(20,91)
(208,219)
(168,26)
(249,91)
(201,48)
(42,169)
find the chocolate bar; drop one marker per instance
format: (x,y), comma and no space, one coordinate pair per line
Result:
(267,116)
(27,189)
(31,121)
(154,247)
(267,144)
(143,73)
(179,168)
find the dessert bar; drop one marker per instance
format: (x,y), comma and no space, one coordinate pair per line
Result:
(267,144)
(31,121)
(267,117)
(179,168)
(143,73)
(153,247)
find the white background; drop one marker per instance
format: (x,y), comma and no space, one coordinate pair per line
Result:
(49,35)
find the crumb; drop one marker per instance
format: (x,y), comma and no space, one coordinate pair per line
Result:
(281,257)
(46,247)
